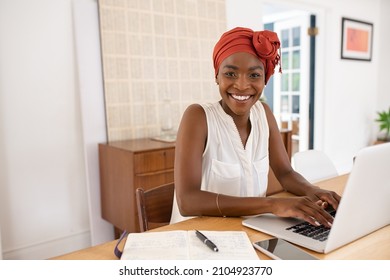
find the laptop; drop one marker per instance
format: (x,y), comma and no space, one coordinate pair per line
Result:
(364,206)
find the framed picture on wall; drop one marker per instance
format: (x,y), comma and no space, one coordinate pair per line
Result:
(356,39)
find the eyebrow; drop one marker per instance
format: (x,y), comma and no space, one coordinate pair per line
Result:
(250,68)
(256,67)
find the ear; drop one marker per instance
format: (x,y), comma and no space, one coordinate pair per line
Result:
(216,79)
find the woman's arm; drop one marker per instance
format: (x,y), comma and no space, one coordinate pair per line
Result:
(291,180)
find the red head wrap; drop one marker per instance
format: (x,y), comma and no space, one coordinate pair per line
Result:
(262,44)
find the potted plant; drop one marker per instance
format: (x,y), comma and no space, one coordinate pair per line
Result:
(384,124)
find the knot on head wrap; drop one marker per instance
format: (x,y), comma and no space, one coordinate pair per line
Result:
(262,44)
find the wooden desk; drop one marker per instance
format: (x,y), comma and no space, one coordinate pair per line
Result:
(373,246)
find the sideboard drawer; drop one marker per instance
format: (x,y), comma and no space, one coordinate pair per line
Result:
(149,161)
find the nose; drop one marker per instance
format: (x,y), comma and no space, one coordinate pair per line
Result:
(241,83)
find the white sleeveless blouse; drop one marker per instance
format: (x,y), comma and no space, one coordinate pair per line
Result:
(227,167)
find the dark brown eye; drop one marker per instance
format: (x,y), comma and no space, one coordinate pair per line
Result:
(255,75)
(230,74)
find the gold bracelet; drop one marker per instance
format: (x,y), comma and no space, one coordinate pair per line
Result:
(217,202)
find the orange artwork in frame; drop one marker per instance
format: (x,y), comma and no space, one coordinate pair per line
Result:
(356,39)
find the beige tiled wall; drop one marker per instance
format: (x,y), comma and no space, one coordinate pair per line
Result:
(154,51)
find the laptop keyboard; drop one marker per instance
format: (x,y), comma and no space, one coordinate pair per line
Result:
(319,233)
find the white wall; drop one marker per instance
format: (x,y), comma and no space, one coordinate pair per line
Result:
(90,89)
(347,92)
(43,201)
(351,87)
(383,101)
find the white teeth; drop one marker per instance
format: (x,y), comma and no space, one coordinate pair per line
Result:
(241,97)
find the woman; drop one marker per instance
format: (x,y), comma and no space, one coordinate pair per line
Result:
(224,150)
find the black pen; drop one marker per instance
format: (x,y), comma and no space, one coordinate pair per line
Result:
(206,241)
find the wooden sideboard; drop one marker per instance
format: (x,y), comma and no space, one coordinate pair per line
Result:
(127,165)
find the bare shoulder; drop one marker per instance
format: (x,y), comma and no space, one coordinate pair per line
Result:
(194,109)
(267,109)
(194,115)
(191,138)
(269,114)
(193,122)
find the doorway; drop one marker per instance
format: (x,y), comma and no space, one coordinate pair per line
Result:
(291,95)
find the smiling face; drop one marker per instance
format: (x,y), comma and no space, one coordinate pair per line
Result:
(241,82)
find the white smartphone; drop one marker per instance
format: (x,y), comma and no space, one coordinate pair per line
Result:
(280,249)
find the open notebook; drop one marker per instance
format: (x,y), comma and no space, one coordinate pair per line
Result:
(364,206)
(184,245)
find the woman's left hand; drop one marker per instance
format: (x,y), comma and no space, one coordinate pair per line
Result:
(324,198)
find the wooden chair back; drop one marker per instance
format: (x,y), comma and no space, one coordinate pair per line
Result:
(154,206)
